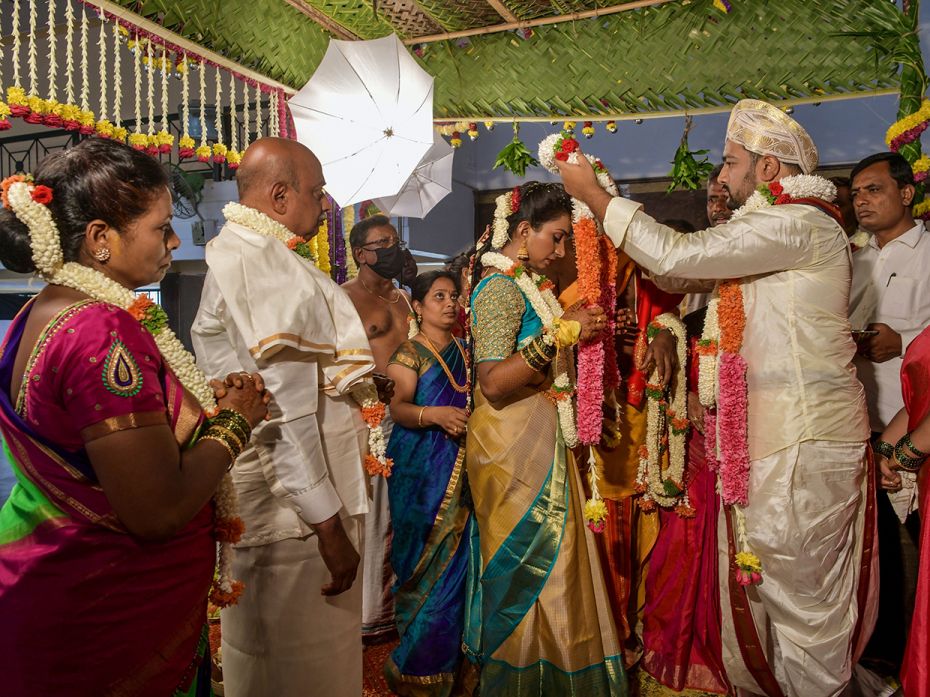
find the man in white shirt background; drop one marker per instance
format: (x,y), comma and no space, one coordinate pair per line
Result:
(890,300)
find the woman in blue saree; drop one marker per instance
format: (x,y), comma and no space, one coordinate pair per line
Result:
(429,508)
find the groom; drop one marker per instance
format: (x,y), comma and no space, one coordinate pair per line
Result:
(807,510)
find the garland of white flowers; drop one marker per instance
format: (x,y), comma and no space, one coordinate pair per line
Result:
(545,304)
(17,45)
(707,355)
(797,186)
(48,258)
(275,126)
(150,93)
(245,115)
(102,74)
(85,80)
(117,83)
(365,393)
(258,111)
(666,420)
(500,227)
(52,45)
(31,50)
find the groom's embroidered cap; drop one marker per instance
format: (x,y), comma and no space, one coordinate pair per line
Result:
(767,130)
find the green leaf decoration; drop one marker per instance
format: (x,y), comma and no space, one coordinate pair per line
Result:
(515,156)
(688,172)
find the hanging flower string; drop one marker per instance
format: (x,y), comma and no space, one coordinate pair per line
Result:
(119,131)
(186,144)
(151,142)
(4,107)
(104,126)
(86,117)
(667,428)
(219,150)
(163,139)
(233,156)
(137,139)
(204,151)
(53,107)
(28,201)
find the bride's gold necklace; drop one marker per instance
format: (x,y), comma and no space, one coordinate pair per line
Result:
(431,347)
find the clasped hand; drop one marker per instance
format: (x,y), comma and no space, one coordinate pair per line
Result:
(592,319)
(245,393)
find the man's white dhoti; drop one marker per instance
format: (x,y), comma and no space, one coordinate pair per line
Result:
(273,647)
(806,522)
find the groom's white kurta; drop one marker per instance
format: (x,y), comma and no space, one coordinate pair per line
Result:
(807,430)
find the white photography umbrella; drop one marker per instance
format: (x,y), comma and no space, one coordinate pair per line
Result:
(427,186)
(367,113)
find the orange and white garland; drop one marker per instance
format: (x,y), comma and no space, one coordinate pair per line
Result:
(666,430)
(21,195)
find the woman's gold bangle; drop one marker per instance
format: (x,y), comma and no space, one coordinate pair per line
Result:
(420,417)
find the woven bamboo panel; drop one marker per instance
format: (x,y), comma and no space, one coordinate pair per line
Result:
(358,16)
(531,9)
(407,18)
(455,15)
(668,57)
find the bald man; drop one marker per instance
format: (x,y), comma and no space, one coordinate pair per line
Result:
(301,485)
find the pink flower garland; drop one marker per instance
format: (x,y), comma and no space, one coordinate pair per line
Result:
(732,405)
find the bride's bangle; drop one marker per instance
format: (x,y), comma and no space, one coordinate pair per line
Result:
(420,417)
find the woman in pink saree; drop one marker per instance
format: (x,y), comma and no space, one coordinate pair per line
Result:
(107,542)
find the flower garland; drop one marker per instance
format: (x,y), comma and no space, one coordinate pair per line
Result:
(365,394)
(5,111)
(233,156)
(505,205)
(28,201)
(921,168)
(859,240)
(787,190)
(908,129)
(219,150)
(595,285)
(922,209)
(322,248)
(539,291)
(204,151)
(164,141)
(186,144)
(103,126)
(137,139)
(667,428)
(119,132)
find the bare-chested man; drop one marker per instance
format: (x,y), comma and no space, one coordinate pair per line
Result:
(385,312)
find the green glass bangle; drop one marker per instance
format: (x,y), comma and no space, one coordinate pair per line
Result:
(884,448)
(911,464)
(910,446)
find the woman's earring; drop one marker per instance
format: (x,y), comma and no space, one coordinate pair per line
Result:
(523,253)
(102,254)
(419,318)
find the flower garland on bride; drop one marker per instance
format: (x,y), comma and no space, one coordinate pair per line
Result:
(28,201)
(596,260)
(538,291)
(722,386)
(365,394)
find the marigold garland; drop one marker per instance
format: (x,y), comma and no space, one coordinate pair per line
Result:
(908,129)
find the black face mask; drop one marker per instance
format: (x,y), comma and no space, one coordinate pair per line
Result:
(390,262)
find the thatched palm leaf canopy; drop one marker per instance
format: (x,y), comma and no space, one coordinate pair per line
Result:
(667,56)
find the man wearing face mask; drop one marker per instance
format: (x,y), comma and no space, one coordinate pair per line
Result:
(385,312)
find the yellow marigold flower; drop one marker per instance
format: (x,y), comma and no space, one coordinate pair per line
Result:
(748,561)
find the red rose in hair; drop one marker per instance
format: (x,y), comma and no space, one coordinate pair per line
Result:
(776,189)
(515,199)
(42,194)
